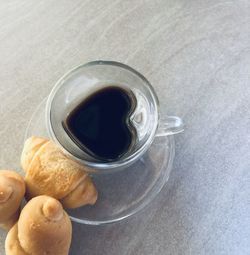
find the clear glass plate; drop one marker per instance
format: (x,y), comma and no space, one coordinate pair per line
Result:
(124,193)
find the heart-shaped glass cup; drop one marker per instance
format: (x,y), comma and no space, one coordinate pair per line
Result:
(87,79)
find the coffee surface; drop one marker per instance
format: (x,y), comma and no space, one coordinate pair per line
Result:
(100,124)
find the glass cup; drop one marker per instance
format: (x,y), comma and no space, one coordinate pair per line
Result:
(86,79)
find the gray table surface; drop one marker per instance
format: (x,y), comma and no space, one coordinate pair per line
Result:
(197,55)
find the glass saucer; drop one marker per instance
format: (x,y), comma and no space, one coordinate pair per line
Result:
(124,193)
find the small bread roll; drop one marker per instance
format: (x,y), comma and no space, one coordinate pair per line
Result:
(12,190)
(43,228)
(50,172)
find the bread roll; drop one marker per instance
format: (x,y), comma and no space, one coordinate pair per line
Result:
(12,189)
(43,228)
(50,172)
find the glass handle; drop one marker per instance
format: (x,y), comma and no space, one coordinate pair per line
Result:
(169,125)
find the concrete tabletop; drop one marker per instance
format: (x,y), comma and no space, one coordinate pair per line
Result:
(197,55)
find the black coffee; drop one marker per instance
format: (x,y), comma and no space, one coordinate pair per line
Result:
(100,124)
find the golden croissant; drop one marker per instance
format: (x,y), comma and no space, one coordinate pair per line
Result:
(43,228)
(12,189)
(50,172)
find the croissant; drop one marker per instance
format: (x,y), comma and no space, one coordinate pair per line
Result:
(43,228)
(50,172)
(12,189)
